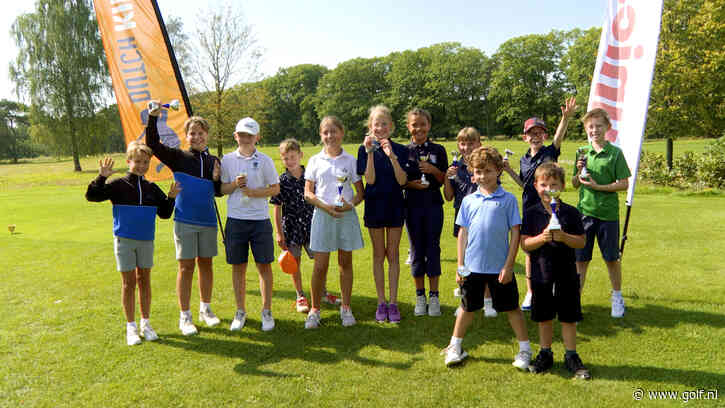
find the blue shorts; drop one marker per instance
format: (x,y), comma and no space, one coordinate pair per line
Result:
(607,236)
(241,234)
(381,212)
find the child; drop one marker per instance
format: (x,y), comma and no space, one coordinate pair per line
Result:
(195,225)
(293,217)
(458,184)
(385,176)
(599,202)
(554,281)
(249,177)
(136,202)
(335,226)
(534,135)
(424,210)
(487,244)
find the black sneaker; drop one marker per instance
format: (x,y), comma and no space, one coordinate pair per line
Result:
(543,362)
(575,366)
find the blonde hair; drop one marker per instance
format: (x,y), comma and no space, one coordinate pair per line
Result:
(385,111)
(485,155)
(597,113)
(137,147)
(468,134)
(550,170)
(334,120)
(196,120)
(290,145)
(418,112)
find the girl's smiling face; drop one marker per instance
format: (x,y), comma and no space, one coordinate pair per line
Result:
(418,126)
(380,126)
(331,135)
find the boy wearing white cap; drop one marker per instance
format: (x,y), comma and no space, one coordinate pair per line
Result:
(249,178)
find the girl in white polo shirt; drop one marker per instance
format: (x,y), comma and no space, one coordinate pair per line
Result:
(329,177)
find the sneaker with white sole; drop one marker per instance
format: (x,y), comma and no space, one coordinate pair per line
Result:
(526,306)
(301,305)
(187,326)
(267,320)
(434,306)
(346,316)
(313,320)
(148,332)
(420,306)
(488,310)
(522,360)
(132,337)
(617,306)
(208,317)
(240,317)
(454,355)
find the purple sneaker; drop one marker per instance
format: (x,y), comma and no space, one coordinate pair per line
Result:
(382,313)
(393,313)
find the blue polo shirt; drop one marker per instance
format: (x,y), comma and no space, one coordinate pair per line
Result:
(462,186)
(488,219)
(527,168)
(385,182)
(438,157)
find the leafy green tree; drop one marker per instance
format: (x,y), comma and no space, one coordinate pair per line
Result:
(578,64)
(14,138)
(61,64)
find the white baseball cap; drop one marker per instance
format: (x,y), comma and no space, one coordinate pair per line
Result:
(247,125)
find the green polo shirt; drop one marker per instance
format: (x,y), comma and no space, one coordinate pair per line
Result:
(605,167)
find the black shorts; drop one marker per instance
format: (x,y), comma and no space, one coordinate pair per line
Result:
(505,297)
(607,236)
(384,212)
(560,298)
(241,234)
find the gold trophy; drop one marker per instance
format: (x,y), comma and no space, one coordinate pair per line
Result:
(424,158)
(173,105)
(341,179)
(11,228)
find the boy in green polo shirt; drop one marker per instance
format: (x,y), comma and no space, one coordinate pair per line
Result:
(599,202)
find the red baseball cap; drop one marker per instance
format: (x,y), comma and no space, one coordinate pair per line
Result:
(534,122)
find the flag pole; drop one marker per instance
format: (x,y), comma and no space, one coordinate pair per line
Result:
(624,231)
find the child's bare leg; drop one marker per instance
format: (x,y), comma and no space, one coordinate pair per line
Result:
(319,276)
(487,293)
(377,238)
(344,260)
(518,324)
(568,334)
(419,282)
(615,273)
(128,289)
(266,282)
(546,333)
(239,282)
(463,320)
(206,278)
(581,269)
(392,253)
(433,281)
(143,280)
(528,274)
(297,277)
(183,282)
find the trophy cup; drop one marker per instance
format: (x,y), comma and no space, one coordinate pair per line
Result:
(424,157)
(173,105)
(11,228)
(507,153)
(581,154)
(554,222)
(245,198)
(455,155)
(341,179)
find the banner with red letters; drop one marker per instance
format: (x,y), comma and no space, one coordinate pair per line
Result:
(623,74)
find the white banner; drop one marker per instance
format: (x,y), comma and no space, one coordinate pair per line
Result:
(623,74)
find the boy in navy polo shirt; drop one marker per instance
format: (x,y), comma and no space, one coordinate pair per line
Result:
(538,153)
(554,279)
(136,203)
(487,244)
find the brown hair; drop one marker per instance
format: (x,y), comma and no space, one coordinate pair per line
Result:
(468,134)
(385,111)
(334,120)
(550,170)
(485,155)
(418,112)
(597,113)
(290,145)
(196,120)
(137,147)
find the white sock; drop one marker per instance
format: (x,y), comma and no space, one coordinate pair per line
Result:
(144,322)
(456,342)
(525,346)
(185,313)
(204,306)
(487,301)
(616,293)
(131,325)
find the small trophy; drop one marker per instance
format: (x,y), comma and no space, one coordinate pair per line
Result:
(424,157)
(581,154)
(455,155)
(341,179)
(173,105)
(507,153)
(11,228)
(245,198)
(554,222)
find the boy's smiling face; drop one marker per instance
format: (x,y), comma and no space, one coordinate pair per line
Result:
(487,177)
(245,139)
(596,128)
(197,137)
(138,164)
(291,159)
(535,137)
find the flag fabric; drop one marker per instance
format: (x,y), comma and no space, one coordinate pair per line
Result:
(142,68)
(623,74)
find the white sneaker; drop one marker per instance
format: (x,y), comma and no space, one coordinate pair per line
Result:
(208,317)
(148,332)
(420,306)
(347,318)
(240,317)
(454,355)
(313,320)
(434,306)
(523,358)
(617,306)
(267,320)
(132,337)
(488,310)
(526,306)
(301,305)
(187,326)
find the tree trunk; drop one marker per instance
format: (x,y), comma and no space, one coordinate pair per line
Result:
(74,147)
(669,153)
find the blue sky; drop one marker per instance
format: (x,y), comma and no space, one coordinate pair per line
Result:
(329,32)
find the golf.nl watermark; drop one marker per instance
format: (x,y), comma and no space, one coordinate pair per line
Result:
(640,394)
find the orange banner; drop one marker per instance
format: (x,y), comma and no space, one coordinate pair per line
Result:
(141,70)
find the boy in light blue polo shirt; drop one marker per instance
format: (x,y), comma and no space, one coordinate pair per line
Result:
(487,244)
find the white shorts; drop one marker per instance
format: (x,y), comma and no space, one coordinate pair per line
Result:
(329,234)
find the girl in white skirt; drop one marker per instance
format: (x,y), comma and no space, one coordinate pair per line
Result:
(329,177)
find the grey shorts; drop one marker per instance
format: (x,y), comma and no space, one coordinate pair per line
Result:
(194,240)
(296,250)
(132,253)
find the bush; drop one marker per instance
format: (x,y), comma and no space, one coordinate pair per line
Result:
(711,166)
(689,170)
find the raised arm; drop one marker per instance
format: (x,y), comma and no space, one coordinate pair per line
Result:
(97,190)
(567,112)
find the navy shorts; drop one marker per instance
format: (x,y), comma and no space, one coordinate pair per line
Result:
(382,212)
(607,236)
(560,298)
(505,297)
(241,234)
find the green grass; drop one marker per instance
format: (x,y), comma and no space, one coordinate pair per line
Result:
(62,335)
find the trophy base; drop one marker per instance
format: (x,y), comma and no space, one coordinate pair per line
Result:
(554,227)
(425,183)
